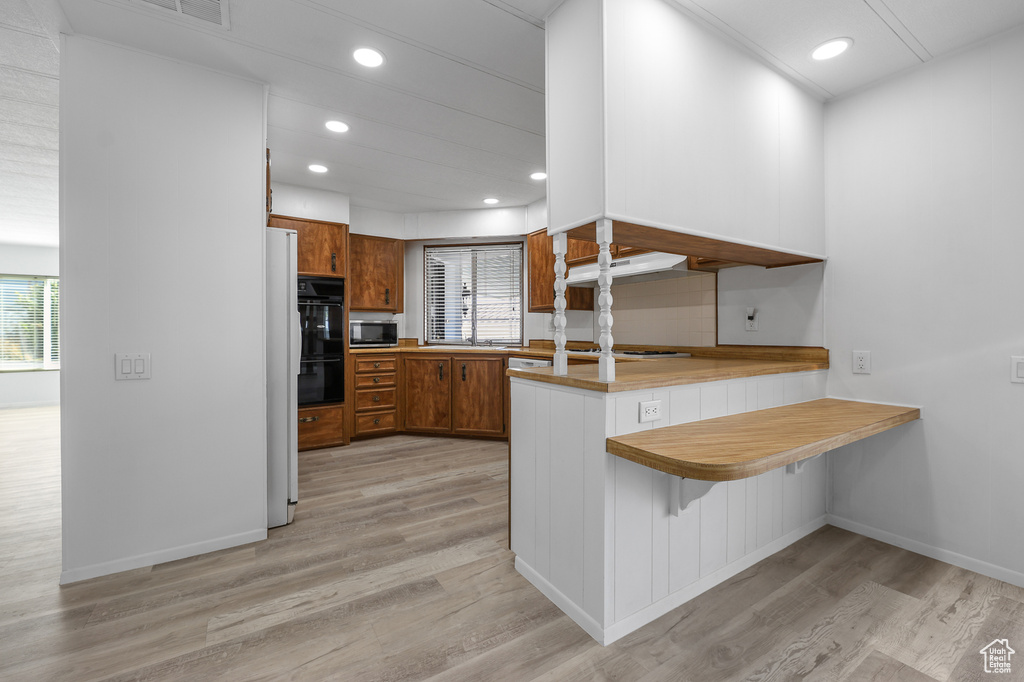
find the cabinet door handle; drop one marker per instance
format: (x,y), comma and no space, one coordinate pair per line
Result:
(304,420)
(463,371)
(376,380)
(376,365)
(376,398)
(440,371)
(387,296)
(376,421)
(334,262)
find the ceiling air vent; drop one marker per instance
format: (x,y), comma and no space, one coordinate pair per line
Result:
(207,11)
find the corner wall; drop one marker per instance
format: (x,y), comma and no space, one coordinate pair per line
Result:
(924,178)
(162,215)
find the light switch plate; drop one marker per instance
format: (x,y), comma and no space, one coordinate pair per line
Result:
(131,366)
(1017,369)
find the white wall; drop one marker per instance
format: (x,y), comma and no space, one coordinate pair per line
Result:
(309,203)
(696,135)
(162,181)
(377,223)
(925,205)
(789,304)
(24,389)
(474,223)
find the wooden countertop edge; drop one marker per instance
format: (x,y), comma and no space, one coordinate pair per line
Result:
(732,471)
(670,379)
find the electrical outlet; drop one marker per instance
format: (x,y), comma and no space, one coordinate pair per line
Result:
(650,411)
(751,321)
(862,362)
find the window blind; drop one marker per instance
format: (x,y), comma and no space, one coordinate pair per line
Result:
(29,323)
(473,294)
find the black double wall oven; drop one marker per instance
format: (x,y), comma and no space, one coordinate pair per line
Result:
(324,333)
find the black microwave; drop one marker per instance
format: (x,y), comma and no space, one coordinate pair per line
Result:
(372,334)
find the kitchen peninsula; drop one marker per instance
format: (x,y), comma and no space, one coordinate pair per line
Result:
(616,543)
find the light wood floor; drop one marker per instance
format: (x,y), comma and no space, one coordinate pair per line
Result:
(396,569)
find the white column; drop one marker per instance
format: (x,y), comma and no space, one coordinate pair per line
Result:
(606,366)
(560,244)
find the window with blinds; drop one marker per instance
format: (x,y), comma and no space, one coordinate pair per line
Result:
(473,294)
(29,323)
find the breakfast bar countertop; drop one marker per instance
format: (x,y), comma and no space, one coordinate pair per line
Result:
(744,445)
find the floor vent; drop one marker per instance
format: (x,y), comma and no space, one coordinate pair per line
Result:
(208,11)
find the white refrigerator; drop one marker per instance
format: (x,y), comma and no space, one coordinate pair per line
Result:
(282,376)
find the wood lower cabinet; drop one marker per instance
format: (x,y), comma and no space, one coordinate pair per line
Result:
(478,395)
(541,274)
(428,393)
(375,380)
(376,273)
(322,426)
(321,245)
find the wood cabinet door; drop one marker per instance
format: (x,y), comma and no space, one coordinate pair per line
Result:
(428,394)
(541,267)
(541,273)
(581,251)
(376,269)
(478,395)
(321,245)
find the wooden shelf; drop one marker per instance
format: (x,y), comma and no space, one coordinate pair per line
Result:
(748,444)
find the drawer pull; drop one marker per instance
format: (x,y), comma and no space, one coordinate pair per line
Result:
(376,365)
(463,371)
(376,398)
(376,421)
(387,296)
(306,420)
(334,262)
(440,371)
(376,380)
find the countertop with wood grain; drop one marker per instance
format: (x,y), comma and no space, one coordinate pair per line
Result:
(651,373)
(744,445)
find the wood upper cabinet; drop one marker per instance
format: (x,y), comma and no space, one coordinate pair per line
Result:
(541,272)
(580,251)
(478,395)
(428,393)
(321,245)
(376,273)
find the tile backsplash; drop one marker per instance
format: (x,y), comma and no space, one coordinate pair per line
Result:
(669,312)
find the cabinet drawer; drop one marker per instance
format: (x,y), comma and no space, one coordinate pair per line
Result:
(375,380)
(375,422)
(382,363)
(320,427)
(375,400)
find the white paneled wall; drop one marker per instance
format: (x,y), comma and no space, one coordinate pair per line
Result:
(594,531)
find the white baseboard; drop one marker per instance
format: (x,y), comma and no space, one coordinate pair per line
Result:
(607,635)
(72,575)
(961,560)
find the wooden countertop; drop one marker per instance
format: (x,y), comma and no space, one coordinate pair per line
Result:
(748,444)
(633,376)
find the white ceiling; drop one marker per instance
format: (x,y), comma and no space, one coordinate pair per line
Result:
(457,112)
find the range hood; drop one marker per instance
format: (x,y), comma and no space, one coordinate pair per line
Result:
(642,268)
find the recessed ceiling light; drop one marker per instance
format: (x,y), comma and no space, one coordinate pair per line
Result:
(317,168)
(490,200)
(367,56)
(337,126)
(832,48)
(539,175)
